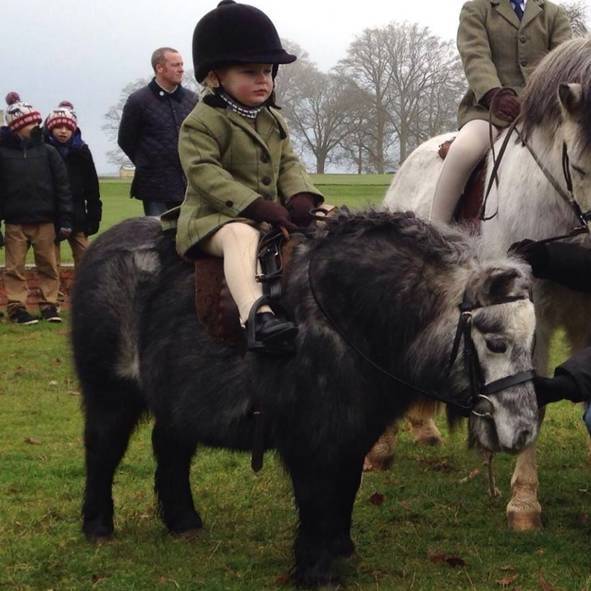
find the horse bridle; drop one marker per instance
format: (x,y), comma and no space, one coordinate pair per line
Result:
(478,389)
(568,196)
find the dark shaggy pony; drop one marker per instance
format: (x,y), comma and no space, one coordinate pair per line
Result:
(392,285)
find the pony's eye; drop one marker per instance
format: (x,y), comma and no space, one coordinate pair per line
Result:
(496,344)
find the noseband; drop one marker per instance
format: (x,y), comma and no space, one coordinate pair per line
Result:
(477,391)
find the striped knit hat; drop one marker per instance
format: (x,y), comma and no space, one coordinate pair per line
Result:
(62,116)
(20,114)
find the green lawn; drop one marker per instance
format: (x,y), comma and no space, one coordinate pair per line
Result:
(431,507)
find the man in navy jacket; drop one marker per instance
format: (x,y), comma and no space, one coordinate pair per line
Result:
(149,130)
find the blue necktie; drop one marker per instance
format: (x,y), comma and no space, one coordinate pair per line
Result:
(517,8)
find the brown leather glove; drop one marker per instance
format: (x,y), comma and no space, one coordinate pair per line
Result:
(299,207)
(503,102)
(261,210)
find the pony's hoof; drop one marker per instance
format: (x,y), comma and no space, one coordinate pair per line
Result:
(521,521)
(186,527)
(97,533)
(426,433)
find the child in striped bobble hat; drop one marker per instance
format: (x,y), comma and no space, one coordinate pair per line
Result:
(36,207)
(62,132)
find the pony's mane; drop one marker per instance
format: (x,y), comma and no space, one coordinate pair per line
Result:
(568,63)
(436,242)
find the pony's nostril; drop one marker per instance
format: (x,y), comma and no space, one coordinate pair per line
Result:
(522,438)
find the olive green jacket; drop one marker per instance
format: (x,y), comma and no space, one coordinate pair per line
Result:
(497,49)
(229,164)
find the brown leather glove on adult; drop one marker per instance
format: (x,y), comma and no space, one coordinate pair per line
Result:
(261,210)
(503,102)
(299,207)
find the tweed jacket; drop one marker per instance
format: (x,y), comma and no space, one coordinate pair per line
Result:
(230,161)
(497,49)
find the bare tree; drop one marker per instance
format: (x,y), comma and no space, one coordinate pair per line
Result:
(577,12)
(425,84)
(368,64)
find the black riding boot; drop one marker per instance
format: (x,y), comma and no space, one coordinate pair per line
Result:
(271,334)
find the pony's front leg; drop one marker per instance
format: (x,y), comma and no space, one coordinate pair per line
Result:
(324,496)
(524,511)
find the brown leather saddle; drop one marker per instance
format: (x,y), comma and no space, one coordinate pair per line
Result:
(468,209)
(216,309)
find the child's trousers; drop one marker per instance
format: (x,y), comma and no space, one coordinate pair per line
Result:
(237,243)
(78,244)
(18,238)
(470,145)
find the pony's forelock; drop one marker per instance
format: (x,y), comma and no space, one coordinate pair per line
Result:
(568,63)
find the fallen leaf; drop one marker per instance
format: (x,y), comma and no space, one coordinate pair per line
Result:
(471,476)
(454,561)
(583,519)
(545,586)
(506,581)
(376,499)
(53,383)
(32,440)
(282,580)
(405,505)
(73,393)
(97,579)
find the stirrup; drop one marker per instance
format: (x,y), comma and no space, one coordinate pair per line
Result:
(252,344)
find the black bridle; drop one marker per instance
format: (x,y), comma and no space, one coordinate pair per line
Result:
(478,389)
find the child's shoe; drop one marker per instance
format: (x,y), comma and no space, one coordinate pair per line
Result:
(50,314)
(19,315)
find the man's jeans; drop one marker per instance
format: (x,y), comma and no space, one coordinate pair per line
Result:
(157,208)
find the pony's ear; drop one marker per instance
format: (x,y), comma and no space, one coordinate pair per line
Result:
(571,97)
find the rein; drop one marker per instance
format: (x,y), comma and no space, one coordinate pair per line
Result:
(583,217)
(478,389)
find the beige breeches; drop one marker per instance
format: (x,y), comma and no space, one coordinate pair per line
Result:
(470,145)
(237,243)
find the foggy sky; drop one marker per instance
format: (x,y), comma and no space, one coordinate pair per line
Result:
(86,51)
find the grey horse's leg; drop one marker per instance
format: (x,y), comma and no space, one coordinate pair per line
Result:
(173,458)
(110,417)
(524,511)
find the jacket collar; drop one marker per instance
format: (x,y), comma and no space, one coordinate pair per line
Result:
(266,122)
(504,8)
(177,95)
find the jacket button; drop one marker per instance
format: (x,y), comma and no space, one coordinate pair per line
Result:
(265,158)
(266,180)
(266,196)
(523,63)
(229,203)
(523,38)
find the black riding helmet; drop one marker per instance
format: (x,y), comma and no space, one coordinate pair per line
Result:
(236,33)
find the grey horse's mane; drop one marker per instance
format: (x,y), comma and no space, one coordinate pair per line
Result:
(568,63)
(437,243)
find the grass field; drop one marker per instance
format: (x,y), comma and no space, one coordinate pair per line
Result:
(435,511)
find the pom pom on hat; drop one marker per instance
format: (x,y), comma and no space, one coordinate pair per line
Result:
(62,116)
(19,113)
(12,97)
